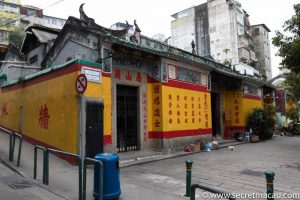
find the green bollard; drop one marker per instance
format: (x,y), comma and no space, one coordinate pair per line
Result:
(12,147)
(35,163)
(46,168)
(10,157)
(270,188)
(20,151)
(84,181)
(80,176)
(189,165)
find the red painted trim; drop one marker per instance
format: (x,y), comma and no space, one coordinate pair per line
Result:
(107,139)
(32,141)
(106,74)
(43,77)
(233,128)
(184,85)
(152,80)
(252,97)
(73,67)
(175,134)
(70,159)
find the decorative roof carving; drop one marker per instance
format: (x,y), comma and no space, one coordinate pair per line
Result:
(137,28)
(84,17)
(91,25)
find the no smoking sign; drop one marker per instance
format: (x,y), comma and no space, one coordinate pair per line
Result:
(81,83)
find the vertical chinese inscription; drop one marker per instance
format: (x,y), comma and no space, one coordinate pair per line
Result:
(170,112)
(199,110)
(236,97)
(205,110)
(178,108)
(44,117)
(4,112)
(156,107)
(185,98)
(144,99)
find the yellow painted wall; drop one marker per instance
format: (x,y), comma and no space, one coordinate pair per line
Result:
(179,109)
(290,104)
(61,99)
(154,96)
(233,108)
(102,92)
(59,96)
(237,108)
(248,106)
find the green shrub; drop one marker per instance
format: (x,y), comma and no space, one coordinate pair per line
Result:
(262,122)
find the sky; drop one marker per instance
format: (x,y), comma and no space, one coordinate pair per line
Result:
(154,16)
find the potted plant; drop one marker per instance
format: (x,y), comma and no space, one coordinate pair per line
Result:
(262,122)
(255,123)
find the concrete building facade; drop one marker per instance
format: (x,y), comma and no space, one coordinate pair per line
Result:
(13,14)
(220,29)
(9,15)
(262,49)
(33,15)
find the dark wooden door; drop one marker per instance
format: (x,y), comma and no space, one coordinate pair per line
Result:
(215,112)
(127,119)
(94,129)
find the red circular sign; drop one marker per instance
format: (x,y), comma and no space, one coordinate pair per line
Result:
(81,83)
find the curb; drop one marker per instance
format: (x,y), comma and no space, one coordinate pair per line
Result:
(177,156)
(13,168)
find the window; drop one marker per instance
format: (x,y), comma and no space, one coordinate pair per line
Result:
(13,9)
(240,29)
(31,12)
(33,59)
(204,79)
(212,29)
(256,31)
(188,75)
(251,90)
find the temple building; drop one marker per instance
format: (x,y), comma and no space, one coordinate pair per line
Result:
(142,94)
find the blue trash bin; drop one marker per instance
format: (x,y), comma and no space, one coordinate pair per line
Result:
(111,176)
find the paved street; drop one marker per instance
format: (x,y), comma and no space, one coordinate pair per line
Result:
(10,180)
(240,170)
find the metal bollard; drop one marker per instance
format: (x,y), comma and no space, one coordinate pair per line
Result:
(35,161)
(12,139)
(20,148)
(270,188)
(46,167)
(10,147)
(80,176)
(189,165)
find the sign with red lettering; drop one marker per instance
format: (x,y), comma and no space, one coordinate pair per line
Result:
(81,83)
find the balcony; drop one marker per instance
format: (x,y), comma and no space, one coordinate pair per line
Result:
(244,55)
(253,56)
(243,41)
